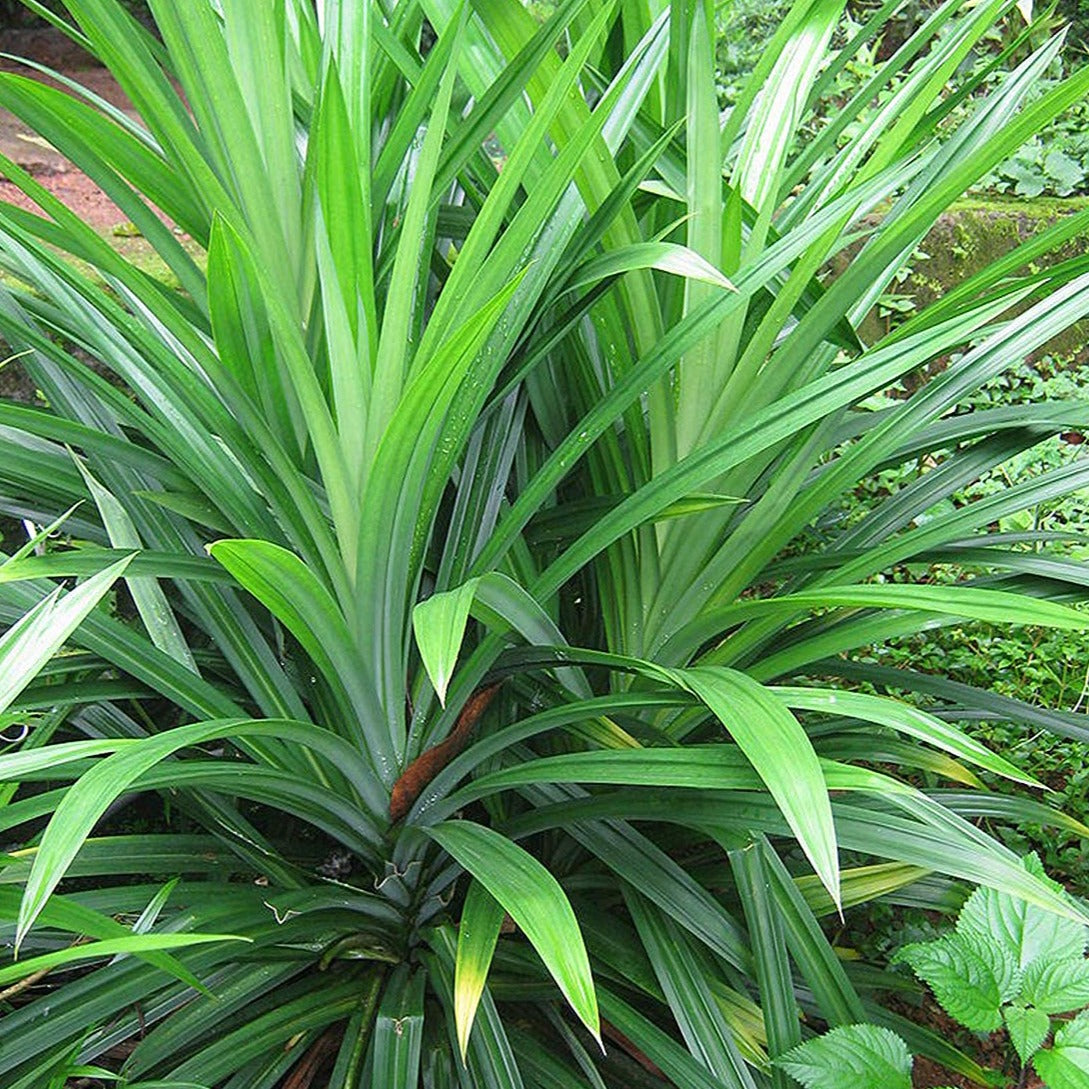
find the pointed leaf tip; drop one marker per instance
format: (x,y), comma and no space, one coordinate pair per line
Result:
(439,626)
(781,754)
(478,933)
(535,901)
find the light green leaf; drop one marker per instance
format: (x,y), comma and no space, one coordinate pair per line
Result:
(991,606)
(290,591)
(154,909)
(534,900)
(147,594)
(851,1057)
(662,256)
(303,604)
(439,625)
(1026,931)
(781,105)
(905,718)
(245,345)
(478,932)
(1056,986)
(108,947)
(29,643)
(1003,967)
(1027,1028)
(1066,1064)
(962,976)
(860,884)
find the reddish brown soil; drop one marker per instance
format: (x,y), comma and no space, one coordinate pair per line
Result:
(990,1053)
(75,189)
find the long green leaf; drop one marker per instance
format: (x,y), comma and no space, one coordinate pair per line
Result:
(782,756)
(29,644)
(439,624)
(109,947)
(478,931)
(536,903)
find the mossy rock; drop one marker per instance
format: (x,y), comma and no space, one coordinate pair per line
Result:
(967,239)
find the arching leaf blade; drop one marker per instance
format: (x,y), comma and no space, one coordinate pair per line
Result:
(536,903)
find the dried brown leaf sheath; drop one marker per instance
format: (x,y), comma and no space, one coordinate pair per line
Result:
(428,764)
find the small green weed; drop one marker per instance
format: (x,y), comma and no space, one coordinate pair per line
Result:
(1049,668)
(1007,965)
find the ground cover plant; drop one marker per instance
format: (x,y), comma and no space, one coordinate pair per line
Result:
(1043,666)
(474,613)
(1006,964)
(1054,163)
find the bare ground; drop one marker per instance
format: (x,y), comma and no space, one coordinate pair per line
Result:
(52,50)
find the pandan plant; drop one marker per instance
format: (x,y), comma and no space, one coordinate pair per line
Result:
(490,691)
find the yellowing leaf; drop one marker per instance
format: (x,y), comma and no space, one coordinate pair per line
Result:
(536,903)
(478,932)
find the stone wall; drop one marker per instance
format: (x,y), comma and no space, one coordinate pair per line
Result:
(972,235)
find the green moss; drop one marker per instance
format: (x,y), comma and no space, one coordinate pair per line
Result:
(1039,207)
(969,237)
(139,252)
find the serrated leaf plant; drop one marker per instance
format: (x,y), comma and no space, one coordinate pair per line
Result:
(1006,964)
(494,659)
(1009,964)
(851,1057)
